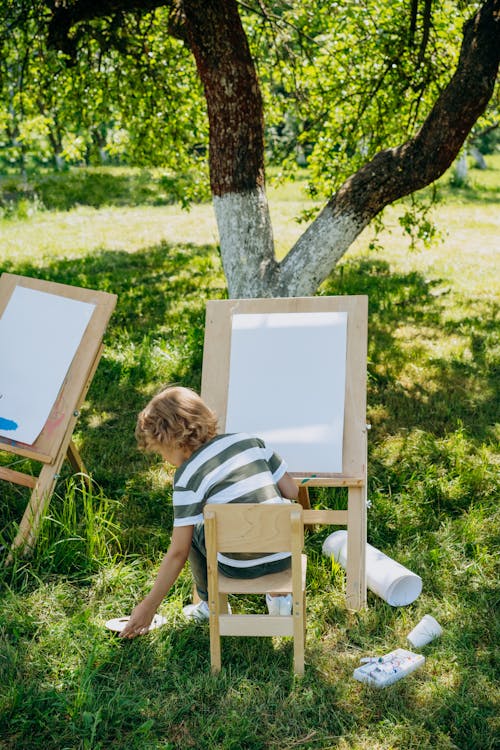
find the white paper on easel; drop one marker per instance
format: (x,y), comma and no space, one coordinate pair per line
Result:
(39,336)
(287,385)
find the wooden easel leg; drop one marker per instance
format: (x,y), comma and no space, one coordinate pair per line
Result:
(76,463)
(42,492)
(303,497)
(356,549)
(35,510)
(74,458)
(305,501)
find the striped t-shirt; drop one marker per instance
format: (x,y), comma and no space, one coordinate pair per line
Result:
(235,468)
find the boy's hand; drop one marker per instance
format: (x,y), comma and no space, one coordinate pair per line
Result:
(170,567)
(139,621)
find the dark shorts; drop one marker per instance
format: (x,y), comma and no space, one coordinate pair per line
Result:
(198,561)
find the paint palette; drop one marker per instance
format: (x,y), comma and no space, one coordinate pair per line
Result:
(384,670)
(118,623)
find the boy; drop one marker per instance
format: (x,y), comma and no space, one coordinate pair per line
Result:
(211,467)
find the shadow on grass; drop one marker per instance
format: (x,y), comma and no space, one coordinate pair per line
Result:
(157,692)
(472,193)
(454,390)
(156,335)
(160,694)
(99,187)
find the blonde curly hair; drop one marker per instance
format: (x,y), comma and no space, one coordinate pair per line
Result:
(175,416)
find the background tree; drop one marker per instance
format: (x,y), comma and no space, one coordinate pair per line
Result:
(353,79)
(111,102)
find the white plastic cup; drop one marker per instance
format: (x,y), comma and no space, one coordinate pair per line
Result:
(424,632)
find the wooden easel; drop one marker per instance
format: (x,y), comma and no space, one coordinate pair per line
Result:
(214,391)
(54,443)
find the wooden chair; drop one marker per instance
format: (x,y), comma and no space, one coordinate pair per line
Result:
(262,528)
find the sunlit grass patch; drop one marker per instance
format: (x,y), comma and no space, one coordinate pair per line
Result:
(433,481)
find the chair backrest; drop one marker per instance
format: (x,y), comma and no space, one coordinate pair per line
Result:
(257,527)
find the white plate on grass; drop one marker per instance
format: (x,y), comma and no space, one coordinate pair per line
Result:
(118,623)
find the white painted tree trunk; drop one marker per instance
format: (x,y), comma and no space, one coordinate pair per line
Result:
(478,158)
(461,168)
(246,242)
(247,249)
(317,251)
(234,104)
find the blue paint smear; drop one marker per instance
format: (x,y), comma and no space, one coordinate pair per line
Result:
(8,424)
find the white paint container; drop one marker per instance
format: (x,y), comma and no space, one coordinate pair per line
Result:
(394,583)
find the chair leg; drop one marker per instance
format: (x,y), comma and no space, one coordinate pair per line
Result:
(304,613)
(215,650)
(298,653)
(299,625)
(215,659)
(215,646)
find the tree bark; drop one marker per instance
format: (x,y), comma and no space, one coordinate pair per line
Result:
(397,172)
(236,152)
(216,37)
(234,103)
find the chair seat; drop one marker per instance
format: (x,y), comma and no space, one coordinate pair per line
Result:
(279,583)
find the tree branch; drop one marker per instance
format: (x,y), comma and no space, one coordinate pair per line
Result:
(427,22)
(66,14)
(396,172)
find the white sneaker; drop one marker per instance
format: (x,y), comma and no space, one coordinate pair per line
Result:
(279,605)
(200,611)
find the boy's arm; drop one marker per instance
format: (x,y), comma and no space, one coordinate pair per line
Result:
(170,567)
(287,487)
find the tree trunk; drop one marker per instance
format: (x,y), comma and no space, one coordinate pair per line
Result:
(461,169)
(478,157)
(397,172)
(216,37)
(226,69)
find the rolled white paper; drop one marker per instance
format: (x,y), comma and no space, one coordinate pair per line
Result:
(394,583)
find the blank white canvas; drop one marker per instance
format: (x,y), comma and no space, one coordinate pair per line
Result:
(287,385)
(39,336)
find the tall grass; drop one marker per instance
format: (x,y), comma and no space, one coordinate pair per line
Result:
(65,682)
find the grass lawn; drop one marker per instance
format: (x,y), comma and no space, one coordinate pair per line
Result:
(68,684)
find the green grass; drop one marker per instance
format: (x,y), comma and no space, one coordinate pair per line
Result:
(65,682)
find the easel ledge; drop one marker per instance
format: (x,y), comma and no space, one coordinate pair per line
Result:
(55,443)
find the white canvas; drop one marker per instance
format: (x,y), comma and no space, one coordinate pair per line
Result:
(39,336)
(287,385)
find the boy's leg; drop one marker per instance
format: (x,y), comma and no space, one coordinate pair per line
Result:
(276,603)
(198,561)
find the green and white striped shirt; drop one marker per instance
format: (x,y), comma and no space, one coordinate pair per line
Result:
(232,468)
